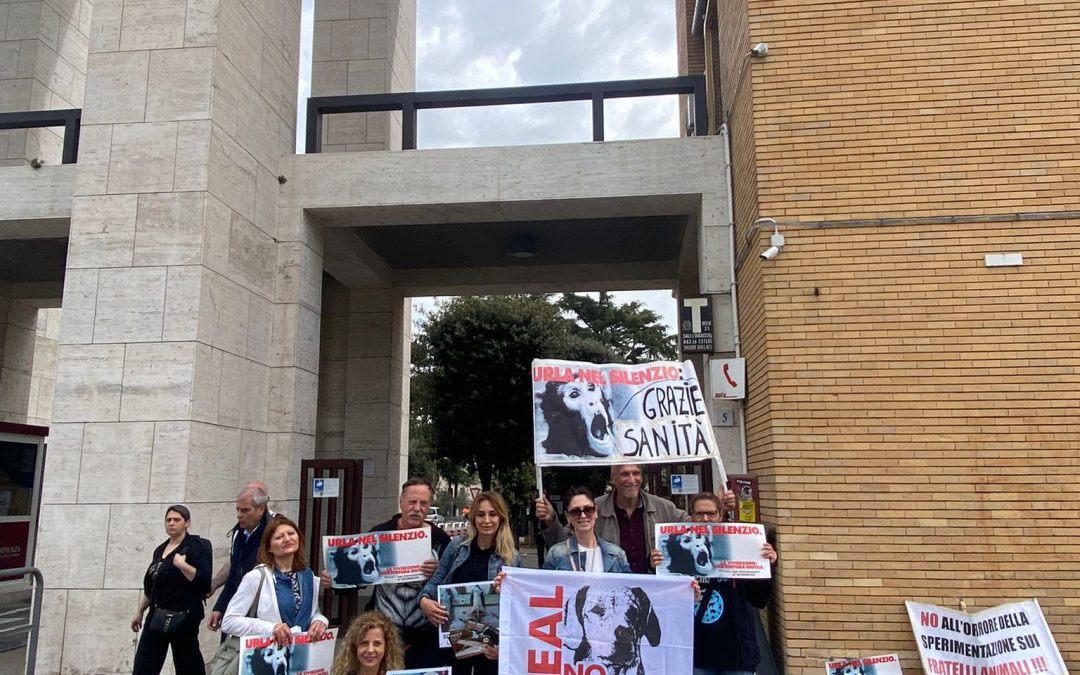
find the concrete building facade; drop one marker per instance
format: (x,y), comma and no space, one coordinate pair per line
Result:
(912,414)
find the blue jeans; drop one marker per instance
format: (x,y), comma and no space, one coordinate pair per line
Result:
(710,671)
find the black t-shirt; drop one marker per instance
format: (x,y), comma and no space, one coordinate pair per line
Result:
(166,585)
(714,627)
(475,567)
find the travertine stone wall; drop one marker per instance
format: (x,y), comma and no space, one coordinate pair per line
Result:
(363,47)
(43,376)
(18,324)
(188,354)
(43,52)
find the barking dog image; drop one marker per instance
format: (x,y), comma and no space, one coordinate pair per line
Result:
(271,660)
(607,626)
(357,564)
(578,415)
(849,669)
(690,553)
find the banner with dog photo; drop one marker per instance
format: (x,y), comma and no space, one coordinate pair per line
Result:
(260,656)
(474,618)
(886,664)
(584,413)
(594,624)
(371,558)
(726,550)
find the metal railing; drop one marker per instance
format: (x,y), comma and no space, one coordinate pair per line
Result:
(33,626)
(34,119)
(408,103)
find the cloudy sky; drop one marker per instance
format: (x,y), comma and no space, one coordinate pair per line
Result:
(469,44)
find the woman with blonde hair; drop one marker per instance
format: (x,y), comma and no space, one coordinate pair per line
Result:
(478,556)
(371,647)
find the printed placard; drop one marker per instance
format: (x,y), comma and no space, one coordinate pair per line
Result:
(474,618)
(260,656)
(447,670)
(726,550)
(372,558)
(557,622)
(886,664)
(1010,639)
(584,413)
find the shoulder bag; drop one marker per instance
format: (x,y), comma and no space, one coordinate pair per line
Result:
(163,621)
(226,659)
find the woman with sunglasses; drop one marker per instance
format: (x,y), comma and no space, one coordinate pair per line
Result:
(584,551)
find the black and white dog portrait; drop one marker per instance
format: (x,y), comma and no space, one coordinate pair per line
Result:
(607,627)
(690,553)
(578,416)
(271,660)
(357,564)
(848,669)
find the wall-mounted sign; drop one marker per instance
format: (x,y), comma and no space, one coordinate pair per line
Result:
(685,484)
(727,378)
(696,326)
(326,487)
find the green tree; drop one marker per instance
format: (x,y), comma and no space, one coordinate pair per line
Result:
(631,330)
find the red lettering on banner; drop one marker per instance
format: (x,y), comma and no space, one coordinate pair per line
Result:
(582,669)
(546,661)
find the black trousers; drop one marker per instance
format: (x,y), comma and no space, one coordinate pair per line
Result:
(187,658)
(422,648)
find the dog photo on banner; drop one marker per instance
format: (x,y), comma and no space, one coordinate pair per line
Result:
(260,655)
(595,624)
(376,557)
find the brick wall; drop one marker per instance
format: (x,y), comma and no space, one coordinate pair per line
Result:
(912,414)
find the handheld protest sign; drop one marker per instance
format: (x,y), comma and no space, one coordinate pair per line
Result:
(371,558)
(588,414)
(473,623)
(259,654)
(725,550)
(886,664)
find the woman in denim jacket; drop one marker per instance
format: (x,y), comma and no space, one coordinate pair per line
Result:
(479,556)
(584,551)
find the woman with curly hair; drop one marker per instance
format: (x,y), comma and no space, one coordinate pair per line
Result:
(371,647)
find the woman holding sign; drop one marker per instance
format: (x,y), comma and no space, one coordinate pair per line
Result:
(584,551)
(281,595)
(479,556)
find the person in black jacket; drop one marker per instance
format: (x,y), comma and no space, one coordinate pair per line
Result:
(401,602)
(175,582)
(724,639)
(251,518)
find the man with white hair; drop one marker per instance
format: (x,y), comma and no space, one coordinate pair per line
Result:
(251,518)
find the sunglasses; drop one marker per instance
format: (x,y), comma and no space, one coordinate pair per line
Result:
(585,511)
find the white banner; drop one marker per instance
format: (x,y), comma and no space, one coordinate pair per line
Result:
(260,656)
(886,664)
(578,623)
(584,413)
(376,557)
(727,550)
(1011,639)
(445,670)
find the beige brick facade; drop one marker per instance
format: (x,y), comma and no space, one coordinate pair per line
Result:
(913,414)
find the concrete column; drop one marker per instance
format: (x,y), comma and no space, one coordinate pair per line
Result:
(43,52)
(377,395)
(43,376)
(363,47)
(18,334)
(188,353)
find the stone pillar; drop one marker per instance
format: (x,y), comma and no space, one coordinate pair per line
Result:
(43,51)
(18,334)
(363,47)
(43,376)
(188,353)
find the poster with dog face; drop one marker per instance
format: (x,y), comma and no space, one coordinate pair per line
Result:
(886,664)
(585,413)
(555,622)
(474,618)
(725,550)
(260,656)
(372,558)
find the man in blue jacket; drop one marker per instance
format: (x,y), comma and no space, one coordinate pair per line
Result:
(251,518)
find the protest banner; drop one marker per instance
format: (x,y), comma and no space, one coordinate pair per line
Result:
(726,550)
(474,618)
(886,664)
(445,670)
(584,413)
(260,656)
(376,557)
(580,623)
(1010,639)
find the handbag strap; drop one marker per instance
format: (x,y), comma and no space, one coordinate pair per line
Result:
(253,611)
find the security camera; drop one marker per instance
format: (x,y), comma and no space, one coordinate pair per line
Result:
(770,253)
(777,241)
(760,50)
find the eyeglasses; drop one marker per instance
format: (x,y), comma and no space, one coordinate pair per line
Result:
(583,512)
(705,515)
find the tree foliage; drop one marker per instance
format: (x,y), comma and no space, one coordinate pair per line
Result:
(471,391)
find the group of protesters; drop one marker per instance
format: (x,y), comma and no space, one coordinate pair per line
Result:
(268,588)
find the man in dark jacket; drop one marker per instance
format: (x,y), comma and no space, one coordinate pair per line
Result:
(401,602)
(251,519)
